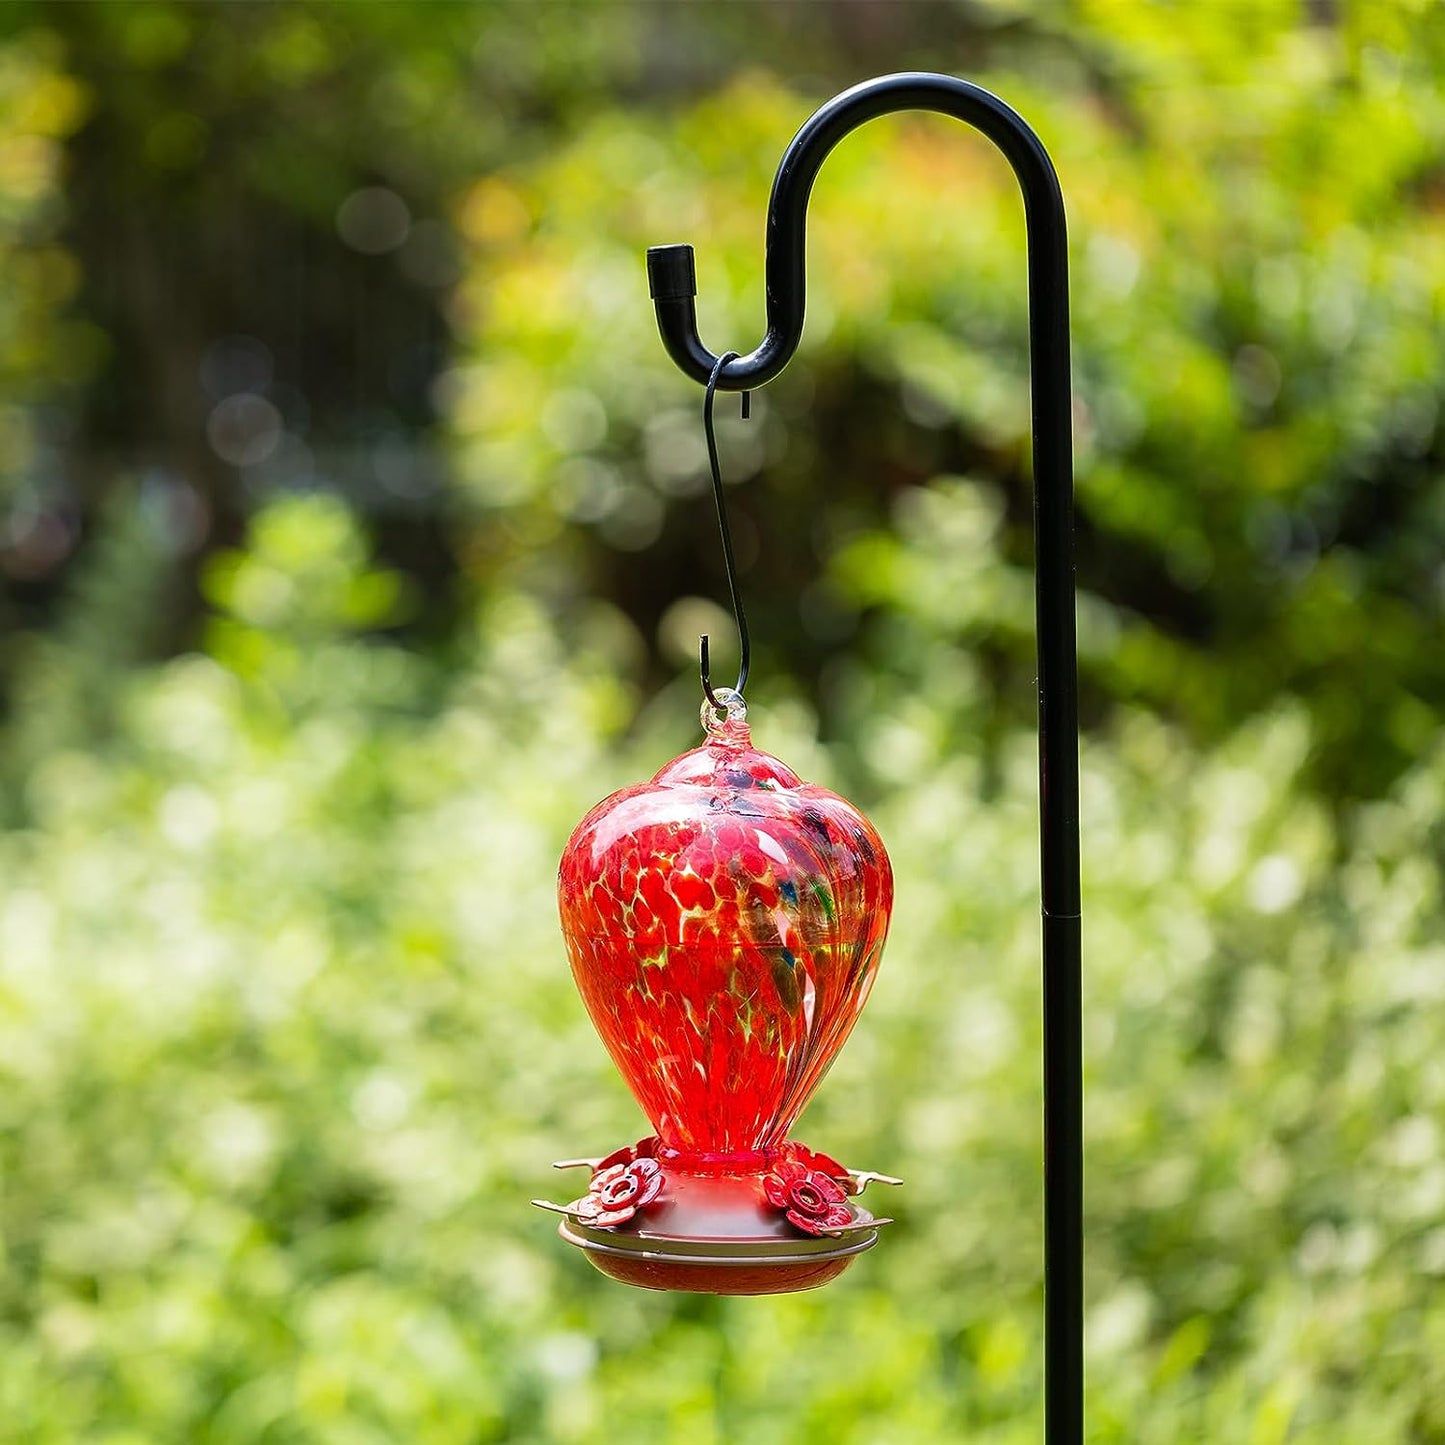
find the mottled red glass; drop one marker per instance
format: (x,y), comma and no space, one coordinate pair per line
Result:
(724,923)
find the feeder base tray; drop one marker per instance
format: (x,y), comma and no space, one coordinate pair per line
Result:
(712,1230)
(724,1266)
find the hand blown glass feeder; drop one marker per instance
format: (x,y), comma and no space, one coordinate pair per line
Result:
(724,923)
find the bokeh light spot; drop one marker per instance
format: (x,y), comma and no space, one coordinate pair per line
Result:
(373,220)
(244,429)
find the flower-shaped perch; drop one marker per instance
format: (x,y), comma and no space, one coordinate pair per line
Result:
(812,1200)
(618,1192)
(615,1194)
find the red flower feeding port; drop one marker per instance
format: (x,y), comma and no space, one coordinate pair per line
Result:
(724,924)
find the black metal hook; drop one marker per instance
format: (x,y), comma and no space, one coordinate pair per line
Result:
(727,543)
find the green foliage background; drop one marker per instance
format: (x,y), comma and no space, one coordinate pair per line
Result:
(291,743)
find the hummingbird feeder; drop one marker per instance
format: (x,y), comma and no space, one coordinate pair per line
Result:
(725,920)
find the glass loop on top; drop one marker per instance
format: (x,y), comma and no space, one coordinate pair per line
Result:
(734,710)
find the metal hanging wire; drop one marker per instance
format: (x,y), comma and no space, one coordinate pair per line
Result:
(729,562)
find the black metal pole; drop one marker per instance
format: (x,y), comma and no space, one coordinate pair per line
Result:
(671,277)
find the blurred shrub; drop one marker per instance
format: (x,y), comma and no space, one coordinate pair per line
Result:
(287,1040)
(286,1035)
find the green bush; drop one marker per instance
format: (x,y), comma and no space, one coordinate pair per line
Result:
(288,1040)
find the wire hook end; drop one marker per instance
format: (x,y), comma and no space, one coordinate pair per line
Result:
(703,668)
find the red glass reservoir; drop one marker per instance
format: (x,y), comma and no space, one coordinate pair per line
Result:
(724,923)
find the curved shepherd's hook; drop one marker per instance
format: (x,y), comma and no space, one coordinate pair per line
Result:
(670,273)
